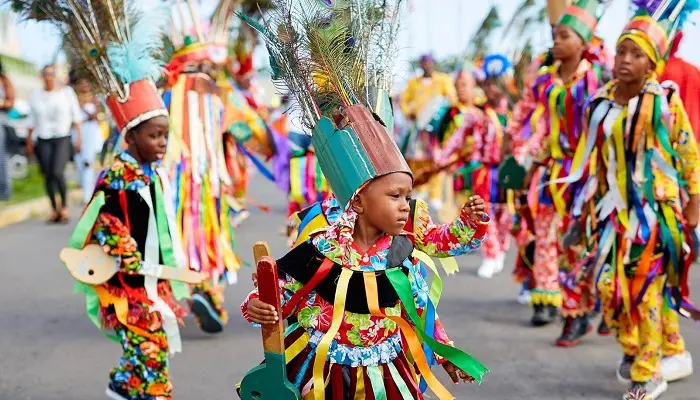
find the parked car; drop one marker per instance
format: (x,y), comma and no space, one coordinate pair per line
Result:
(17,128)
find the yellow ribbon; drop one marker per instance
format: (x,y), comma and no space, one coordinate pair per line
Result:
(360,385)
(322,349)
(557,199)
(622,277)
(510,201)
(554,126)
(296,348)
(618,138)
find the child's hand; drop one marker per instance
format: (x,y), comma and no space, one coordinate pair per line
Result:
(475,208)
(261,313)
(456,374)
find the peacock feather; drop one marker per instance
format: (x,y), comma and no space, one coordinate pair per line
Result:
(115,42)
(330,54)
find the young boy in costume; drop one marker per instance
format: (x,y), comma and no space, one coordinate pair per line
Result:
(130,215)
(641,149)
(552,128)
(352,286)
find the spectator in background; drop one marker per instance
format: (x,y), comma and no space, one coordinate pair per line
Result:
(92,141)
(7,101)
(54,111)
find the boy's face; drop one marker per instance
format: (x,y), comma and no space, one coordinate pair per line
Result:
(150,140)
(384,203)
(567,44)
(631,64)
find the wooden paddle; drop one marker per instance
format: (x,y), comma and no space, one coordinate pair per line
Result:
(269,381)
(91,265)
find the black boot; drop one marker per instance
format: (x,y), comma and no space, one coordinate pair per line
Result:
(574,330)
(116,392)
(544,315)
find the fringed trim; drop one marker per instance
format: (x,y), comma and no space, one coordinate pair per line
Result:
(545,298)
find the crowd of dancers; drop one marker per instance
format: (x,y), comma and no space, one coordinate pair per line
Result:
(586,161)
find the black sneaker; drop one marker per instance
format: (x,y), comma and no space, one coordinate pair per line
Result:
(115,392)
(649,390)
(544,315)
(207,316)
(623,373)
(574,330)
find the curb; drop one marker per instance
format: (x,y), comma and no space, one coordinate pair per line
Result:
(37,208)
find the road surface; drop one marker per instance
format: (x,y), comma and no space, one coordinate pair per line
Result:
(49,350)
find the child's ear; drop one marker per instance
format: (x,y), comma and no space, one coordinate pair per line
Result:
(357,204)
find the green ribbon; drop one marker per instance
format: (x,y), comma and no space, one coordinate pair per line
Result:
(462,360)
(180,290)
(396,377)
(81,234)
(377,382)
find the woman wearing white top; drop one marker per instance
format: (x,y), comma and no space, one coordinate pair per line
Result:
(7,101)
(91,142)
(54,111)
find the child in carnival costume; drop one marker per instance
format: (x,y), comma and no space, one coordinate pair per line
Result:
(457,129)
(487,155)
(205,207)
(550,130)
(642,152)
(130,215)
(422,102)
(517,143)
(352,286)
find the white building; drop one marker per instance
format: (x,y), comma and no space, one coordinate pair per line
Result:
(23,74)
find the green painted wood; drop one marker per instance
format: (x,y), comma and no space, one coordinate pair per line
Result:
(268,381)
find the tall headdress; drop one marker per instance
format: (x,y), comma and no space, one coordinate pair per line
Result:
(198,41)
(655,24)
(555,9)
(117,47)
(337,58)
(582,17)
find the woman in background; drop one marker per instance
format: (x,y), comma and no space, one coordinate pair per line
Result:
(54,111)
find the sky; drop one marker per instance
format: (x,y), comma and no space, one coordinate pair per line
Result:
(440,27)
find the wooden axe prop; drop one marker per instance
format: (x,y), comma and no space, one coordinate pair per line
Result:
(268,381)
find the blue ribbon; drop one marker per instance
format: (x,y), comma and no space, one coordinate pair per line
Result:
(258,164)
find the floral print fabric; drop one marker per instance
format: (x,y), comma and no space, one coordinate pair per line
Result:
(364,339)
(143,369)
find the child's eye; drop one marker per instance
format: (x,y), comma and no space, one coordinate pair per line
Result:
(394,195)
(408,199)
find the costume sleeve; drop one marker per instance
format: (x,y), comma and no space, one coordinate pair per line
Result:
(115,238)
(406,100)
(460,237)
(685,143)
(288,286)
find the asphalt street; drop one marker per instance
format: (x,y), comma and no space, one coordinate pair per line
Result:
(49,350)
